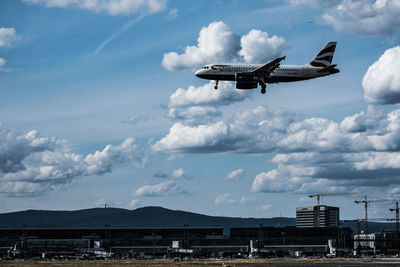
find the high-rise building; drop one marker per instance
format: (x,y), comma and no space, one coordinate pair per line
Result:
(308,216)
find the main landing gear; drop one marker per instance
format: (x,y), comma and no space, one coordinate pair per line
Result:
(216,85)
(263,88)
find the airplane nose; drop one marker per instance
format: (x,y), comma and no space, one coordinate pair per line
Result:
(197,73)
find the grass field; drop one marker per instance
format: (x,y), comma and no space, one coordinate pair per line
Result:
(198,263)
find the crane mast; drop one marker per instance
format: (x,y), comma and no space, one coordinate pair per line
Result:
(366,201)
(318,196)
(397,215)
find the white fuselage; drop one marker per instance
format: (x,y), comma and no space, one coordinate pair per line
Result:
(284,73)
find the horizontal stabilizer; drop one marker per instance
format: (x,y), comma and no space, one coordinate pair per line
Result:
(331,69)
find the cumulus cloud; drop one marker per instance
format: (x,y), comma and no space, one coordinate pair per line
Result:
(31,164)
(250,132)
(313,154)
(2,62)
(227,199)
(112,7)
(365,17)
(381,82)
(199,138)
(7,36)
(370,119)
(258,47)
(289,178)
(217,43)
(234,175)
(263,130)
(196,114)
(165,188)
(206,95)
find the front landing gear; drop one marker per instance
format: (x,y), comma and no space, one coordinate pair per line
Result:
(216,85)
(263,88)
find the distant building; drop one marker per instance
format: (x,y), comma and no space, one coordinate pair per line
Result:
(308,216)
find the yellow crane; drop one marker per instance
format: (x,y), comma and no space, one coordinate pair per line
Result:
(318,196)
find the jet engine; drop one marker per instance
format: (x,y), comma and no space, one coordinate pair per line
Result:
(245,80)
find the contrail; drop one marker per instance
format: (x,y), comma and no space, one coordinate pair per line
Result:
(124,28)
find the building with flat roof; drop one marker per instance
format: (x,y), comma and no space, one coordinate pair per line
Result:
(308,216)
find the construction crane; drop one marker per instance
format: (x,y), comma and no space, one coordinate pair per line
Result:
(318,196)
(366,201)
(397,215)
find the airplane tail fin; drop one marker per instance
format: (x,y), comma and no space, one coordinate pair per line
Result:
(324,57)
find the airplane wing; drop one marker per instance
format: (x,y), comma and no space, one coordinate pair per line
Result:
(269,67)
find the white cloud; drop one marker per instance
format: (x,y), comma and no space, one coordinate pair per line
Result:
(206,95)
(314,154)
(227,199)
(263,130)
(112,7)
(173,14)
(165,188)
(365,17)
(291,178)
(194,115)
(234,175)
(202,137)
(217,43)
(381,82)
(7,36)
(258,47)
(363,121)
(254,131)
(178,173)
(33,164)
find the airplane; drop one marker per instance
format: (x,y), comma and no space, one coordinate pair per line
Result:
(249,76)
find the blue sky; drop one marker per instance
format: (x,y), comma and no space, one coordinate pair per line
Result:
(99,104)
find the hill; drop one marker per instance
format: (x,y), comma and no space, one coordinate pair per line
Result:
(143,217)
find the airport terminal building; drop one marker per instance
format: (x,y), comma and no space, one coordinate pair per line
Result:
(171,242)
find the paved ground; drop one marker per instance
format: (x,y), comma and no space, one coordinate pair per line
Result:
(219,263)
